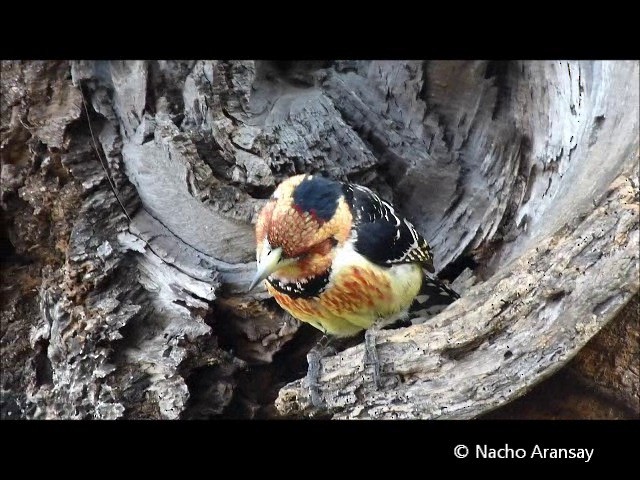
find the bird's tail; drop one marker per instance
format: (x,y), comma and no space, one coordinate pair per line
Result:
(434,296)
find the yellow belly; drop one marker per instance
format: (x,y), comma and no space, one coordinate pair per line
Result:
(358,294)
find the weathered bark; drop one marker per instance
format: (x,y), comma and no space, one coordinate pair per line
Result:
(497,163)
(601,382)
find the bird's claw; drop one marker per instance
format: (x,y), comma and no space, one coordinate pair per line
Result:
(315,355)
(371,355)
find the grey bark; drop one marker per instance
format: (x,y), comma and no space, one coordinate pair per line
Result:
(150,318)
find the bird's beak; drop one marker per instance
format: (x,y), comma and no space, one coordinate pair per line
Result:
(268,264)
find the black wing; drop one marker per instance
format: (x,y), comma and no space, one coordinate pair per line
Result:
(434,296)
(381,235)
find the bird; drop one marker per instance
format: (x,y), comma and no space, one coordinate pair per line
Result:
(337,256)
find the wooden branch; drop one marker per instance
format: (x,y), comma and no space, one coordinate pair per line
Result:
(151,319)
(504,335)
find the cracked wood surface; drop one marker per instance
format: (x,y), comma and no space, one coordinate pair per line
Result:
(106,319)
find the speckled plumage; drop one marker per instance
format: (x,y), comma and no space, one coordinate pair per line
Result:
(349,259)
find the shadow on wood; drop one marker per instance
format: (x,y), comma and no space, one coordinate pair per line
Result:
(522,175)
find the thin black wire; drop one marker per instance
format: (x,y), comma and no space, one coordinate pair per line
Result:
(95,146)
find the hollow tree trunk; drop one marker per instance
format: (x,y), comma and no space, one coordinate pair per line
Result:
(522,175)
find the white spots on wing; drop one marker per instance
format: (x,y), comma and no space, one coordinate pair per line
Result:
(390,211)
(382,207)
(413,232)
(412,252)
(372,208)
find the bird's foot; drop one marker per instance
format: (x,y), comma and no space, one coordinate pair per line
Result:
(322,349)
(371,354)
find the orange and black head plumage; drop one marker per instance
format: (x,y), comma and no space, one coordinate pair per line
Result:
(306,217)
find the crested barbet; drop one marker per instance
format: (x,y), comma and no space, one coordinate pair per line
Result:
(337,256)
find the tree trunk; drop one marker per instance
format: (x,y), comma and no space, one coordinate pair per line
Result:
(522,175)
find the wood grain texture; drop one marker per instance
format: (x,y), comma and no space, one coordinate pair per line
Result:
(106,318)
(601,382)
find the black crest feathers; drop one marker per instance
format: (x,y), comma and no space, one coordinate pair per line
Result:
(318,196)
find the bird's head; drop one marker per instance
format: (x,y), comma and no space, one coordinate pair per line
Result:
(299,228)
